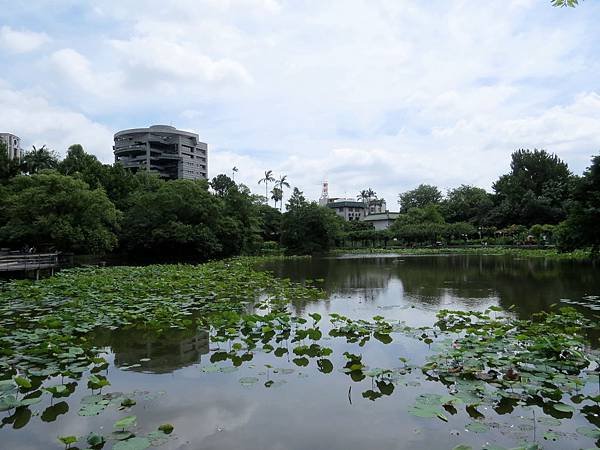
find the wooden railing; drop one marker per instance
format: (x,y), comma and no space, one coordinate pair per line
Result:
(25,262)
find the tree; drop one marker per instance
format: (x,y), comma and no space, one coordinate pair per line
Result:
(49,210)
(233,172)
(222,184)
(276,195)
(270,223)
(563,3)
(536,190)
(419,197)
(180,219)
(581,229)
(266,180)
(467,204)
(281,184)
(367,195)
(9,167)
(308,228)
(296,200)
(38,159)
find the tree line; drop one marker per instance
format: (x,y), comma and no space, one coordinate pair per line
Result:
(80,205)
(538,201)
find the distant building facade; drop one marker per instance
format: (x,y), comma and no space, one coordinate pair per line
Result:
(13,145)
(381,221)
(172,153)
(347,208)
(377,206)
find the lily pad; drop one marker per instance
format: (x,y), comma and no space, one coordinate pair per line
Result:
(135,443)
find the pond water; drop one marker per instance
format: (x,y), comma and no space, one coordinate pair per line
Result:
(271,400)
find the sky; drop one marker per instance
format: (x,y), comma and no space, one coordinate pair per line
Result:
(381,94)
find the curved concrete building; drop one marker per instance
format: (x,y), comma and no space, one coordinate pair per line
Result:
(172,153)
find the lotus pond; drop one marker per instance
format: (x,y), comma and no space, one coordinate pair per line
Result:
(352,352)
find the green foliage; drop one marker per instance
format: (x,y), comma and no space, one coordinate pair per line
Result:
(38,159)
(536,190)
(563,3)
(49,210)
(582,229)
(181,219)
(308,228)
(420,197)
(8,167)
(467,204)
(269,223)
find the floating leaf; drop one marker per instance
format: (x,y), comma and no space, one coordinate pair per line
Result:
(134,443)
(125,422)
(477,427)
(593,433)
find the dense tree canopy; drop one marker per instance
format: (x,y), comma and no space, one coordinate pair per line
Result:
(467,204)
(536,190)
(38,159)
(49,210)
(8,167)
(582,227)
(308,228)
(420,197)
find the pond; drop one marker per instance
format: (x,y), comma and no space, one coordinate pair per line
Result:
(335,382)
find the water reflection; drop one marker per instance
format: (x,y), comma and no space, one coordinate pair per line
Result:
(147,352)
(462,281)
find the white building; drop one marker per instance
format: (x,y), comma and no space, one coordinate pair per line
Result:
(381,221)
(13,145)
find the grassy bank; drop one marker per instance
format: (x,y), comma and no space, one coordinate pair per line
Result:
(495,251)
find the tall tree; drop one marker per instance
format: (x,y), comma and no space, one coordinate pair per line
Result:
(536,190)
(582,227)
(296,200)
(281,184)
(9,167)
(38,159)
(420,197)
(268,178)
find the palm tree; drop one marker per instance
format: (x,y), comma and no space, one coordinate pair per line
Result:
(267,179)
(276,195)
(234,170)
(281,183)
(366,195)
(38,159)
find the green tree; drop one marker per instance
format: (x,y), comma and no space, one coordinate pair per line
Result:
(282,183)
(536,190)
(308,228)
(276,195)
(420,197)
(563,3)
(8,167)
(222,184)
(581,229)
(38,159)
(296,200)
(268,178)
(467,204)
(49,210)
(179,219)
(270,223)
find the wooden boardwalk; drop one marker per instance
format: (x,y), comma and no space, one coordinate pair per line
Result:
(28,262)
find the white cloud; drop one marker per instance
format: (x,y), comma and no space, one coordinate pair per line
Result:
(378,93)
(37,122)
(21,41)
(147,56)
